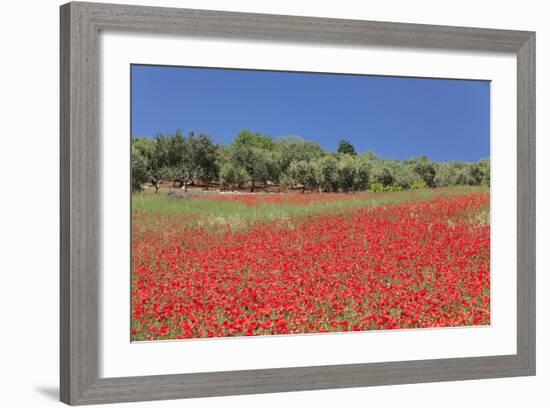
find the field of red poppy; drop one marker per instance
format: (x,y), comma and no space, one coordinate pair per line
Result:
(219,265)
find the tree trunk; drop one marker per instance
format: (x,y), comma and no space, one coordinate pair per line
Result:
(155,183)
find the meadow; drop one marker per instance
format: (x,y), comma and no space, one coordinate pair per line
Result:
(217,265)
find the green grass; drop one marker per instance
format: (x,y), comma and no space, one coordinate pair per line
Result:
(209,213)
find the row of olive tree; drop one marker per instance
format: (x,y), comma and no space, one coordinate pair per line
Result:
(254,160)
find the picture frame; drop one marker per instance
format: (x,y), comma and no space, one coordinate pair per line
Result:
(80,154)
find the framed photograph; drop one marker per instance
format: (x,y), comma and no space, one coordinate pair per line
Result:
(261,203)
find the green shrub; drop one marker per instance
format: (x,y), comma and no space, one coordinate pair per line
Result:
(393,187)
(376,188)
(418,185)
(380,188)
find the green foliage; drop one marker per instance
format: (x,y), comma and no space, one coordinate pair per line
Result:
(345,147)
(362,174)
(393,188)
(301,173)
(347,170)
(382,173)
(255,159)
(139,169)
(257,140)
(460,173)
(176,157)
(381,188)
(424,167)
(293,148)
(233,175)
(259,165)
(481,172)
(418,185)
(485,172)
(325,170)
(445,175)
(376,187)
(196,159)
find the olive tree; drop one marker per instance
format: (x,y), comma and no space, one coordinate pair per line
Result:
(195,159)
(301,173)
(293,148)
(326,173)
(347,171)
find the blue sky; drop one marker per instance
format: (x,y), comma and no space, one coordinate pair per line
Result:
(394,117)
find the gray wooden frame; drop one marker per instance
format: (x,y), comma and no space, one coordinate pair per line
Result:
(80,234)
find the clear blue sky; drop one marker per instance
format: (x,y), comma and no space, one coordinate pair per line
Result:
(394,117)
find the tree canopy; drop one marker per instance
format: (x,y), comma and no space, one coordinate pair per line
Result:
(255,159)
(345,147)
